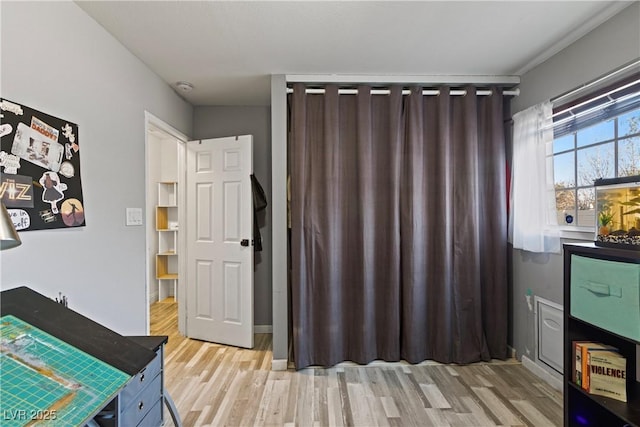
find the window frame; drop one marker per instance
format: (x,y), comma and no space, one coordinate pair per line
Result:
(569,126)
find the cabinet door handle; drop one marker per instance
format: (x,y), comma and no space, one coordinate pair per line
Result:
(141,405)
(141,377)
(601,289)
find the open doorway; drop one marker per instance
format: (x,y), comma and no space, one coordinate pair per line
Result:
(200,233)
(164,182)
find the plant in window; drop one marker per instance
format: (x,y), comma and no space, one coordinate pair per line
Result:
(604,219)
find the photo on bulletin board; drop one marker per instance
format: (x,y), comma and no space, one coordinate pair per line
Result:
(39,169)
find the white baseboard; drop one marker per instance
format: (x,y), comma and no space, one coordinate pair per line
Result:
(262,329)
(512,352)
(554,380)
(153,297)
(279,365)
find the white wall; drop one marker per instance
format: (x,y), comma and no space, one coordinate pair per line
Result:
(611,45)
(614,43)
(56,59)
(279,172)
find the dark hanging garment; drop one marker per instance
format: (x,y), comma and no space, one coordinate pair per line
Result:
(259,204)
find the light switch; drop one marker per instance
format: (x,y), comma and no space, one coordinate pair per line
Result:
(134,216)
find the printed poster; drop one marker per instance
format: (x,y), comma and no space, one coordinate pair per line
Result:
(39,169)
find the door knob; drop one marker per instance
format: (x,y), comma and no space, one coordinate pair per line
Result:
(244,242)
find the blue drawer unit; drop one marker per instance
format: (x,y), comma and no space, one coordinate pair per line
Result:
(606,294)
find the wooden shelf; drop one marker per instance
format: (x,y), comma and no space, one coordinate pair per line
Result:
(166,264)
(168,193)
(167,228)
(166,218)
(628,411)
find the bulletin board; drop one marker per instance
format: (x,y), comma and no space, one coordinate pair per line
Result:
(40,169)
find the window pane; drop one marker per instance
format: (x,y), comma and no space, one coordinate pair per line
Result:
(564,170)
(566,205)
(629,123)
(586,207)
(629,156)
(563,143)
(595,162)
(597,133)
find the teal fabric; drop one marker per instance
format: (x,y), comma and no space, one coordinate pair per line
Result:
(606,294)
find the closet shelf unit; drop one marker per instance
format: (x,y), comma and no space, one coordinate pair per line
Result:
(167,228)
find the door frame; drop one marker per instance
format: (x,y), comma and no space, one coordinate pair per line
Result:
(152,121)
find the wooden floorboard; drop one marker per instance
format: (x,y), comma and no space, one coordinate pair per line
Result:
(216,385)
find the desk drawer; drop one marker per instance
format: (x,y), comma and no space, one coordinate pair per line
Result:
(153,417)
(606,294)
(141,380)
(137,408)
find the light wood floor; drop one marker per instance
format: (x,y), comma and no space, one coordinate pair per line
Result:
(215,385)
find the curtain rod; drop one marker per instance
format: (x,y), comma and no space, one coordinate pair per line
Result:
(607,95)
(428,92)
(595,82)
(595,98)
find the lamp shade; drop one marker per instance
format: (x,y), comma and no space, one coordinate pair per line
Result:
(8,235)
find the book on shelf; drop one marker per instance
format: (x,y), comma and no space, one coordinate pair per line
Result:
(580,353)
(577,356)
(608,374)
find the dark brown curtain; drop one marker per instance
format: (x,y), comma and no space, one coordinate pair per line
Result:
(398,227)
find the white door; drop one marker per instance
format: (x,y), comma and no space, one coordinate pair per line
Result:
(219,232)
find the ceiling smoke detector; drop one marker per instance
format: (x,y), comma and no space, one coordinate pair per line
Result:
(184,86)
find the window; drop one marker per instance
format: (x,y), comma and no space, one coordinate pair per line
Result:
(599,138)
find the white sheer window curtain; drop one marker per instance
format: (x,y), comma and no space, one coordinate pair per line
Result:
(533,222)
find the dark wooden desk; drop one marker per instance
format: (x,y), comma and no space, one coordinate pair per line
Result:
(131,355)
(75,329)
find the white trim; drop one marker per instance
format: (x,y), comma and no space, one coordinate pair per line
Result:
(279,274)
(279,365)
(553,380)
(609,12)
(577,234)
(405,79)
(262,329)
(150,119)
(153,122)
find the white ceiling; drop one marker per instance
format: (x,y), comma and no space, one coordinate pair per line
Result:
(229,49)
